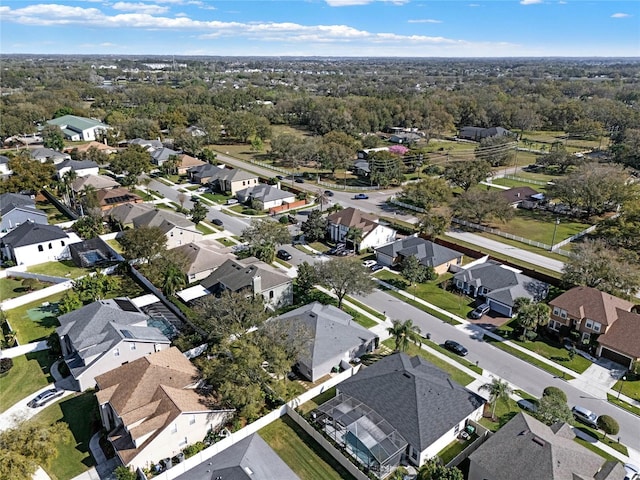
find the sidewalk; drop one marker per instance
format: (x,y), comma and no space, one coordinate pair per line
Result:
(24,349)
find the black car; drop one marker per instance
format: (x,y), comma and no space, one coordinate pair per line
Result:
(283,255)
(328,193)
(299,180)
(455,347)
(218,222)
(279,177)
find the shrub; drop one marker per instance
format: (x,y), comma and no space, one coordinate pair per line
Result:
(608,425)
(191,450)
(123,473)
(284,220)
(554,392)
(5,365)
(530,335)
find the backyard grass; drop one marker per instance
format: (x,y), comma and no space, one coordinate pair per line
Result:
(34,321)
(29,374)
(80,414)
(62,269)
(54,216)
(301,452)
(315,402)
(115,244)
(624,405)
(456,375)
(527,358)
(431,292)
(11,287)
(452,450)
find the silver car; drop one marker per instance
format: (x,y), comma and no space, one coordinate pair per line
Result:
(45,397)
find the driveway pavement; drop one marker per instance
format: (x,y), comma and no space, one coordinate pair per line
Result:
(599,378)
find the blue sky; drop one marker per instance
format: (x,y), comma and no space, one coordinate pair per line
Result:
(380,28)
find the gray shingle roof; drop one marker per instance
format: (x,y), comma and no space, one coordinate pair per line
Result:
(238,274)
(251,454)
(163,219)
(233,175)
(333,331)
(30,233)
(414,396)
(163,154)
(127,212)
(264,193)
(9,201)
(536,451)
(43,152)
(77,164)
(430,254)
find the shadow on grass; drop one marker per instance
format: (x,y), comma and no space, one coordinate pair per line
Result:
(80,413)
(44,361)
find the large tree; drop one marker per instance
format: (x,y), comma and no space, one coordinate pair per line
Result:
(28,175)
(433,224)
(345,276)
(143,243)
(198,212)
(498,391)
(595,264)
(386,168)
(314,227)
(132,161)
(532,315)
(95,287)
(426,193)
(404,333)
(52,137)
(553,408)
(467,174)
(479,205)
(497,151)
(263,236)
(414,272)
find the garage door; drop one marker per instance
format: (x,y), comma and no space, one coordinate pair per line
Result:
(500,308)
(616,357)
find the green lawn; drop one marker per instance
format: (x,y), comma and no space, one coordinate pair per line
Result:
(319,246)
(226,242)
(528,358)
(246,210)
(80,414)
(364,307)
(622,404)
(606,440)
(459,305)
(505,411)
(508,182)
(216,197)
(452,450)
(63,269)
(596,450)
(528,248)
(54,215)
(456,375)
(315,402)
(12,287)
(115,244)
(303,454)
(630,387)
(29,374)
(204,229)
(33,321)
(282,262)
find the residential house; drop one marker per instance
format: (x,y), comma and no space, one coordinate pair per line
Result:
(202,259)
(404,138)
(254,277)
(112,197)
(523,197)
(102,336)
(5,171)
(124,214)
(428,253)
(364,154)
(186,162)
(84,148)
(16,209)
(373,233)
(152,408)
(527,449)
(202,174)
(91,253)
(499,285)
(249,459)
(97,182)
(335,339)
(44,155)
(195,131)
(231,180)
(595,315)
(362,168)
(480,133)
(161,155)
(78,129)
(32,243)
(82,168)
(266,196)
(149,145)
(178,228)
(401,408)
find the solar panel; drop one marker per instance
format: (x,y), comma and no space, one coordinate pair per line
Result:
(126,305)
(126,334)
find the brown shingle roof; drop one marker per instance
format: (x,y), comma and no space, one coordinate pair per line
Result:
(352,217)
(518,194)
(591,303)
(624,334)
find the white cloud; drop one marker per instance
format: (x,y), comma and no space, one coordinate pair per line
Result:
(620,15)
(140,8)
(473,5)
(530,2)
(425,20)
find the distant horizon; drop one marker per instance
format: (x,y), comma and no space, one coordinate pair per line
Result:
(324,28)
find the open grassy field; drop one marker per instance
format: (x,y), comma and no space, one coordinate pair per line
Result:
(79,413)
(29,374)
(35,321)
(301,452)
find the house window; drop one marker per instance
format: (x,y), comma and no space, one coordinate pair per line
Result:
(50,246)
(116,352)
(132,346)
(596,327)
(457,429)
(172,234)
(414,454)
(588,324)
(192,419)
(62,242)
(554,325)
(174,428)
(271,295)
(40,248)
(183,442)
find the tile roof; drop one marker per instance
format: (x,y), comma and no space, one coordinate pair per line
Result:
(417,398)
(624,335)
(249,459)
(202,258)
(333,332)
(354,218)
(429,253)
(591,303)
(30,233)
(236,275)
(536,451)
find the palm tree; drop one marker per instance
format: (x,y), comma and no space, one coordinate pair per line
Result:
(174,280)
(322,198)
(499,391)
(354,235)
(403,333)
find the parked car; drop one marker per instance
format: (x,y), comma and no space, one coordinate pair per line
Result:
(279,177)
(283,254)
(328,193)
(455,347)
(369,263)
(218,222)
(202,190)
(480,310)
(299,180)
(360,196)
(232,201)
(45,397)
(376,267)
(528,405)
(632,472)
(585,416)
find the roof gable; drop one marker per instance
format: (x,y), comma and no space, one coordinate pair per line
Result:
(30,233)
(591,303)
(354,218)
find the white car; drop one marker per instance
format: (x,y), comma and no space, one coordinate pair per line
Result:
(632,472)
(369,263)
